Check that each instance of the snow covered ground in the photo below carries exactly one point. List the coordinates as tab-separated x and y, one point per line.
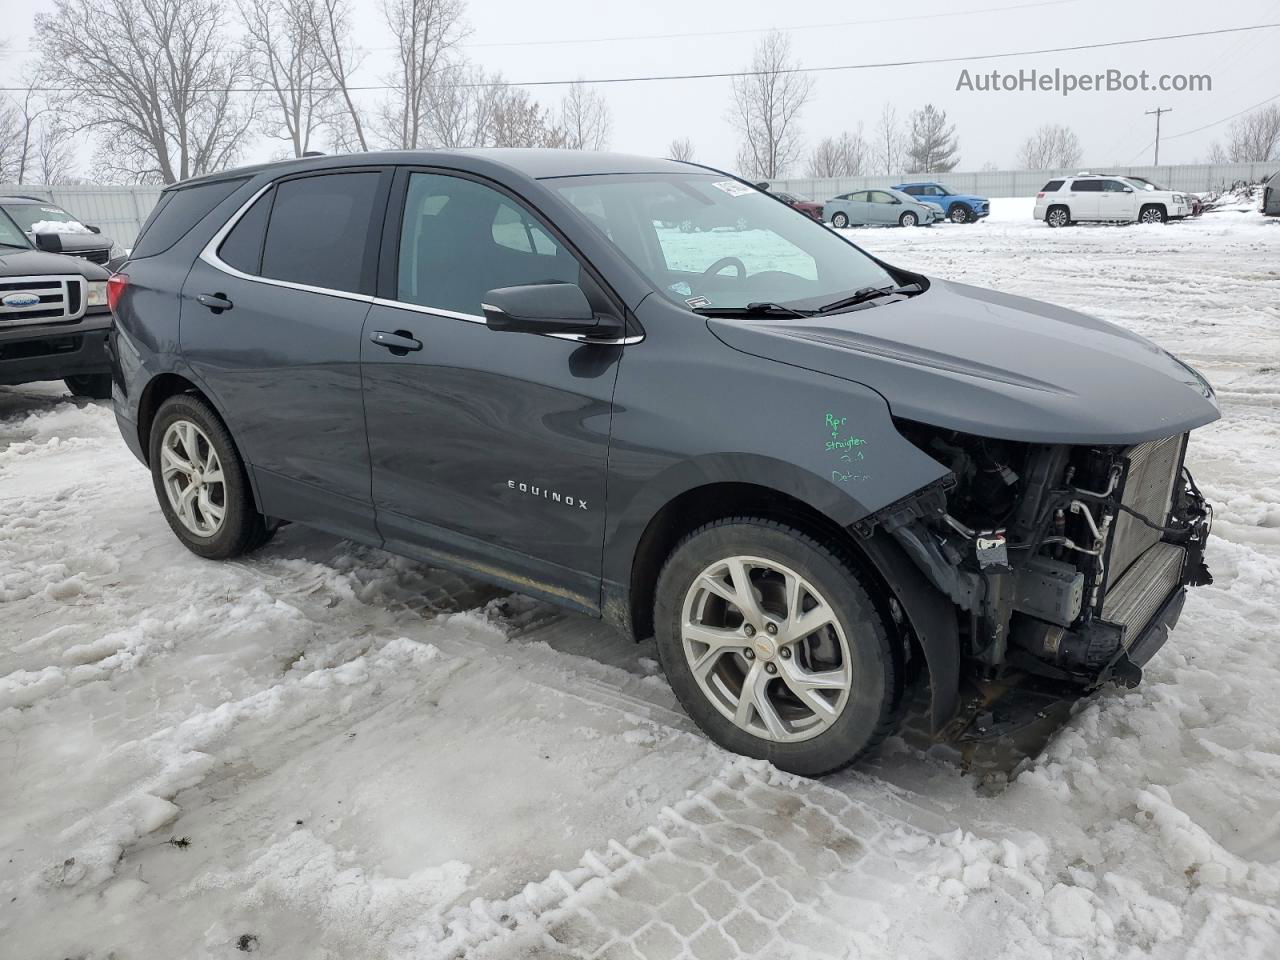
327	751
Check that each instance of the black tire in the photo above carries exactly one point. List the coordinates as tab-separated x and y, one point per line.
96	386
958	213
1057	216
243	528
1152	213
840	219
908	219
871	711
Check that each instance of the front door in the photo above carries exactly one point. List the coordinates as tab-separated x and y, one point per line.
489	450
1117	202
883	208
272	315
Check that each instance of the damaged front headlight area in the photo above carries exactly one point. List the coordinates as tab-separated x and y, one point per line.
1067	561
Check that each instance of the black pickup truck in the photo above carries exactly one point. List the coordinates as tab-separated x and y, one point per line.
54	317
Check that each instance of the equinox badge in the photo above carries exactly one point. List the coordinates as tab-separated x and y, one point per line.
534	490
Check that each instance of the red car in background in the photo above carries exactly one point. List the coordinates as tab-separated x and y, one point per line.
791	200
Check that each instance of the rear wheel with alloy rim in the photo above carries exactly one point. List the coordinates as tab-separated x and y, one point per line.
908	219
772	644
1057	217
201	482
840	220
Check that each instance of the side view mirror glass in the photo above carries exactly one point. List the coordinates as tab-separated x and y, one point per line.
546	308
93	229
49	242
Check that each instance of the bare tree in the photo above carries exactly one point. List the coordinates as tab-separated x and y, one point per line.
53	159
12	156
1253	138
680	149
518	120
932	145
888	143
460	105
285	60
585	118
156	80
331	31
1052	145
842	156
425	31
766	107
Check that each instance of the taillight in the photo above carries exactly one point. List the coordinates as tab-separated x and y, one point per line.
1040	196
116	285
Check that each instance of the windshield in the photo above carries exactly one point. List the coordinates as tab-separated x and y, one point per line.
706	241
44	218
10	235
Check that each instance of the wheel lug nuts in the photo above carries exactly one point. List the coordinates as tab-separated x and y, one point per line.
749	654
749	630
784	653
770	668
771	628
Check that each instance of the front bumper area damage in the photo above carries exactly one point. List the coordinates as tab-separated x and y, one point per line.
1067	566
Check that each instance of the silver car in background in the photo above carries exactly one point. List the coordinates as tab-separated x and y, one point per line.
881	207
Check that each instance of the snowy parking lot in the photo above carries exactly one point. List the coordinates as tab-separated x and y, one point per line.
325	751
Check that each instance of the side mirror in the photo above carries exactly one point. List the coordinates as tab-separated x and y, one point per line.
93	229
49	242
546	308
1128	189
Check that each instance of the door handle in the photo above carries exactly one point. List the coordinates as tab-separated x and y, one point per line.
216	302
399	343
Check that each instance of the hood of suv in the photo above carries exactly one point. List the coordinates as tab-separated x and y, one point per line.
37	263
995	365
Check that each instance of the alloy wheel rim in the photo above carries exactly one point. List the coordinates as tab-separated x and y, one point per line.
1057	218
958	215
193	478
908	220
766	649
1150	216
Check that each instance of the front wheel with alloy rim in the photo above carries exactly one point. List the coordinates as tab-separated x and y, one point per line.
908	219
1152	215
772	644
201	482
959	213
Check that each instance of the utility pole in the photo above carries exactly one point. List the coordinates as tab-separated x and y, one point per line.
1157	111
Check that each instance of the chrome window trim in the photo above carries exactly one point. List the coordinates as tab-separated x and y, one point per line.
65	279
210	256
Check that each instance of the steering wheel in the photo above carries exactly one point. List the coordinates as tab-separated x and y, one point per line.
726	262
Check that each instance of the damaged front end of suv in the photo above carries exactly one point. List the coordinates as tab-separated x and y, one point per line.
1068	561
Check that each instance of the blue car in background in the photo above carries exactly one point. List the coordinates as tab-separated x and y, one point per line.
958	207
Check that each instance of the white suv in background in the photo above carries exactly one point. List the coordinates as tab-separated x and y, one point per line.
1091	196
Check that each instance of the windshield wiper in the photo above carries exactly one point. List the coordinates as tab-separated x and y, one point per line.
867	294
759	308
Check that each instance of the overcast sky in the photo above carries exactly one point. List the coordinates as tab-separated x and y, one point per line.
558	39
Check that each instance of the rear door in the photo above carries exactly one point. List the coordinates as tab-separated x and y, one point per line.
272	314
489	450
856	206
1084	199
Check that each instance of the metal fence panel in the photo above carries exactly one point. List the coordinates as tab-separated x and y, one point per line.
118	211
1193	178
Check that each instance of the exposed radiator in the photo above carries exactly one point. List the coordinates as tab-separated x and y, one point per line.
1136	596
1148	489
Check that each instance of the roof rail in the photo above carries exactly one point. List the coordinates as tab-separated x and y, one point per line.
26	196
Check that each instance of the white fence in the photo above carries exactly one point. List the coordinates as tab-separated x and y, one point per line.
118	211
1194	178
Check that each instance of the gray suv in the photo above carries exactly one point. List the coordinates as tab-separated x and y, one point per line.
817	479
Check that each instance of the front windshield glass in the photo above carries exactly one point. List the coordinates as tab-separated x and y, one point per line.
706	241
10	235
44	218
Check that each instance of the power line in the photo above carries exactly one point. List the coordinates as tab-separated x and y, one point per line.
1187	133
649	78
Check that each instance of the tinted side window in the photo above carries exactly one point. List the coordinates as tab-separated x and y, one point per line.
319	230
460	239
879	196
177	212
1051	186
1087	186
1113	186
242	248
915	191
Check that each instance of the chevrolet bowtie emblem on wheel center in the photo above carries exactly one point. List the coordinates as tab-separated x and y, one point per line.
534	490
